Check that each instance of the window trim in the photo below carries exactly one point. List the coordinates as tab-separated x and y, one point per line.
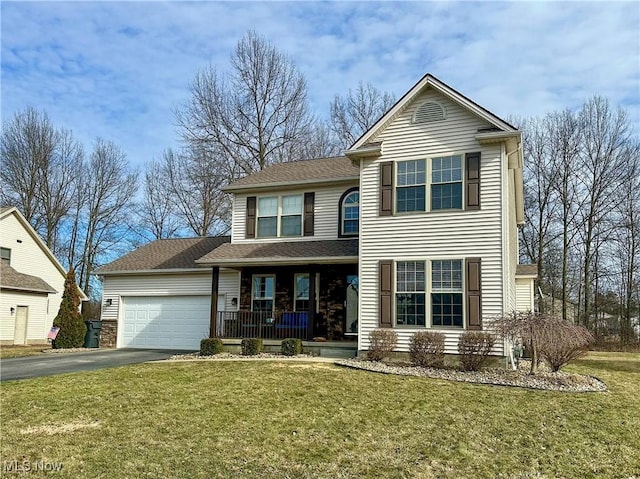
341	233
428	184
279	216
428	291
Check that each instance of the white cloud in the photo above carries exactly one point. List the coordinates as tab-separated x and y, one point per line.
117	70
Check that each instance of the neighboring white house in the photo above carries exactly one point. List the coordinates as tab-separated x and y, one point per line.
415	229
31	282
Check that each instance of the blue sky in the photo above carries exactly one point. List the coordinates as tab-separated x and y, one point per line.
117	70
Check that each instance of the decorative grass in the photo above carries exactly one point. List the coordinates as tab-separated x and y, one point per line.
316	420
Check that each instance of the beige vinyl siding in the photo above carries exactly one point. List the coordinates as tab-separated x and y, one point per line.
326	204
28	257
524	294
183	284
38	325
432	235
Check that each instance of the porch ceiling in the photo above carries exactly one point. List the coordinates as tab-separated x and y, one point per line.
291	252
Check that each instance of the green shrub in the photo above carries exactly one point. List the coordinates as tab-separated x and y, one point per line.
382	343
426	349
69	319
211	346
474	348
291	347
251	346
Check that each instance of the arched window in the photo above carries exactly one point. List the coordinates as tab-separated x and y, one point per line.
350	212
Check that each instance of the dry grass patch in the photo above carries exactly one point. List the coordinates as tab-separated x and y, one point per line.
268	420
20	351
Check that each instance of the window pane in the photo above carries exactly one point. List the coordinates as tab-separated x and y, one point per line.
263	287
262	305
446	309
352	198
410	309
292	205
350	226
302	286
446	275
411	198
446	196
411	172
268	206
291	225
267	227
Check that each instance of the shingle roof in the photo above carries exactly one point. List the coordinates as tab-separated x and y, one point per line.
303	171
12	279
165	254
282	252
527	270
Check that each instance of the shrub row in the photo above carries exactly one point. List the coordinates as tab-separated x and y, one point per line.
426	348
250	346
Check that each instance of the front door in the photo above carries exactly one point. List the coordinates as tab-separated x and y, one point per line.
20	332
352	305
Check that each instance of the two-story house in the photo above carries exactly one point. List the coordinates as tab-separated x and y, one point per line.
414	229
31	282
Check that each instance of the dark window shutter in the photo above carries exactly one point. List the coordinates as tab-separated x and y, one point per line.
473	180
251	217
309	199
386	188
386	288
474	295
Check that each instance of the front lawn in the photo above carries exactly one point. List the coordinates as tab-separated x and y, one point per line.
20	351
292	419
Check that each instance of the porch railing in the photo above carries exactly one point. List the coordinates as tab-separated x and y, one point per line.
265	325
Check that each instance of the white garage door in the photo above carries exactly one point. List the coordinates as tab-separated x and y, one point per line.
169	322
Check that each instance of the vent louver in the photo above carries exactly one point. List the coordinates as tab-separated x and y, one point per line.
428	112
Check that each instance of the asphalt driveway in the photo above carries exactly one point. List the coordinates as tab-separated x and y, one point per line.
57	363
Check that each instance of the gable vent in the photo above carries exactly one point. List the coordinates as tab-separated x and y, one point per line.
428	112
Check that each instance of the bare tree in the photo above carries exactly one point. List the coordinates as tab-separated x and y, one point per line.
604	154
39	171
250	117
110	187
194	182
157	211
358	111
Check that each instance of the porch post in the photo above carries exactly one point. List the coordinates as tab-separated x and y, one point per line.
312	302
213	319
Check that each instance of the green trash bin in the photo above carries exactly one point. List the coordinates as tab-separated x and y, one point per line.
92	338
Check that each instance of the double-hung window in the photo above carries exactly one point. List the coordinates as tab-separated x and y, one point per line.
262	292
410	293
446	183
438	180
267	216
301	292
291	219
279	216
446	293
411	188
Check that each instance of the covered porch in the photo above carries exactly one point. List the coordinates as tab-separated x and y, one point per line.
305	289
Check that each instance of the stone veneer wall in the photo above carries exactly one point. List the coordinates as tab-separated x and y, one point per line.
108	334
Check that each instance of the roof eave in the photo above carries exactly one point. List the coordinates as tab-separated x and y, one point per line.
29	290
366	151
289	184
279	260
150	271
